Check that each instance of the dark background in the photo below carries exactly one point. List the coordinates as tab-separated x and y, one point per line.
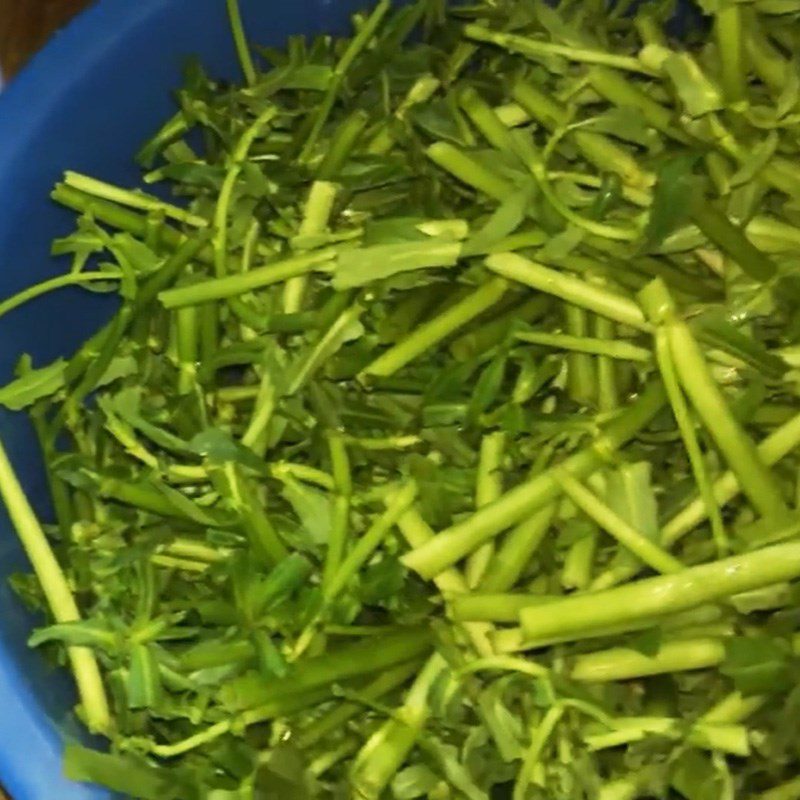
26	24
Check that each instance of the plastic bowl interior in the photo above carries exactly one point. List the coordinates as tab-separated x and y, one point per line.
86	102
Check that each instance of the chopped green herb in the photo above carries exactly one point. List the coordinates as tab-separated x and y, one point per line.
445	440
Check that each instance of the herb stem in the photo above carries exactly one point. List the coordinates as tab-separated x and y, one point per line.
440	327
239	283
340	466
608	393
341	144
417	532
729	34
255	521
384	752
733	708
539	737
371	539
597	148
731	239
613	349
188	350
458	541
581	372
131	198
470	171
536	49
620	91
206	736
771	450
680	411
39	289
488	607
240	41
112	214
317	212
515	553
624	663
489	486
569	288
372	654
337	718
60	599
255	435
325	348
236	164
483	338
638	544
484	118
767	61
713	409
665	594
355	46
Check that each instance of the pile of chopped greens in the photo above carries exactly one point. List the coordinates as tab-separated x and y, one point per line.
444	443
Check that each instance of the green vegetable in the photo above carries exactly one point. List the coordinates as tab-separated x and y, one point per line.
666	594
444	442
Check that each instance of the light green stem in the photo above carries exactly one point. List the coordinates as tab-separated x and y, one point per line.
430	333
469	171
37	290
340	462
616	88
484	118
608	393
132	198
337	717
254	436
623	663
581	371
598	149
486	607
680	410
730	46
579	562
569	288
665	594
233	285
771	450
385	751
450	582
536	49
733	708
371	539
758	483
489	334
59	596
489	486
317	212
450	546
324	349
616	349
539	736
642	547
516	551
242	50
237	161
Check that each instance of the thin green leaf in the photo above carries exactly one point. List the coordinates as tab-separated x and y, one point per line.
33	385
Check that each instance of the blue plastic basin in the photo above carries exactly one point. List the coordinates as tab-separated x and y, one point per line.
86	102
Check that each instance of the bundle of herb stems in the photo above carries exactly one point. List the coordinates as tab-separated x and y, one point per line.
444	441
